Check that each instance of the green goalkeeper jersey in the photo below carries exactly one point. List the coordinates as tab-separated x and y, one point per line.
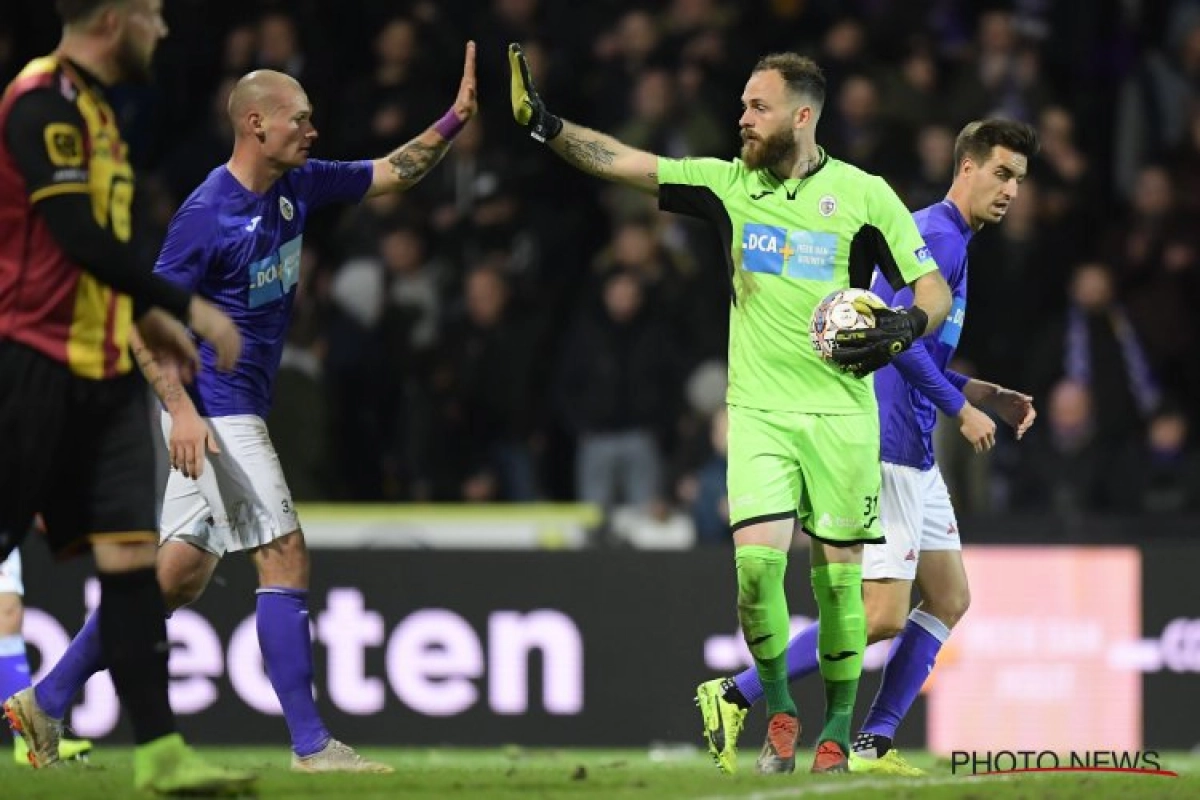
788	244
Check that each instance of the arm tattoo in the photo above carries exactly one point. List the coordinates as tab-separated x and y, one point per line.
589	155
168	391
410	162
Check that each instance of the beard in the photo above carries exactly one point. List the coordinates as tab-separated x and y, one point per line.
760	153
134	65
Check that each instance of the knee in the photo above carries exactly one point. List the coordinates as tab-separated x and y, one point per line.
950	608
284	562
884	625
179	592
11	613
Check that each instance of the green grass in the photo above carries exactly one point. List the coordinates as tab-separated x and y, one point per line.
569	774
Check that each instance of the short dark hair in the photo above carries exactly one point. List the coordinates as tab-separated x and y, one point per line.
801	74
976	140
72	11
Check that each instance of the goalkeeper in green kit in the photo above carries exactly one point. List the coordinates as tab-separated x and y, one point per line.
803	438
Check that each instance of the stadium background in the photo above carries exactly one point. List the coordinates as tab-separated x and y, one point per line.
473	341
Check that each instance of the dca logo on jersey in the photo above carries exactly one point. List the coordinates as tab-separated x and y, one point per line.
952	327
772	250
271	278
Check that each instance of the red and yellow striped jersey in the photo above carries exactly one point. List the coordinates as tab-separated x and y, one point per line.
48	302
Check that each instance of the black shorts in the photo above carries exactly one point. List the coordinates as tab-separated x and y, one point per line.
79	451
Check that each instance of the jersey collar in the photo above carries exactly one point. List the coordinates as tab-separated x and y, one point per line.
957	218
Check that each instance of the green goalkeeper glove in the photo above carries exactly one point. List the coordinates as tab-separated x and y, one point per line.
527	106
861	352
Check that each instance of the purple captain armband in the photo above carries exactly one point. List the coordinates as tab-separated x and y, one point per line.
449	125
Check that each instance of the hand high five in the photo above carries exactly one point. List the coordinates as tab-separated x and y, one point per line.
467	104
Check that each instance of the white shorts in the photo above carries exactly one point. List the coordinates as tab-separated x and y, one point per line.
916	515
241	500
10	574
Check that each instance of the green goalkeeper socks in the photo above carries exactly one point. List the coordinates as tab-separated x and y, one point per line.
841	640
763	613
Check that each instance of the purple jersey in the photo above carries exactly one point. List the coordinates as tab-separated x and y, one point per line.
917	383
241	251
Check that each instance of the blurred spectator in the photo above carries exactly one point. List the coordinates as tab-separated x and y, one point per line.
622	53
857	132
487	399
616	391
1096	346
1069	185
913	96
206	146
280	47
1064	467
1158	252
1162	471
390	105
934	167
1153	106
703	492
658	124
1183	164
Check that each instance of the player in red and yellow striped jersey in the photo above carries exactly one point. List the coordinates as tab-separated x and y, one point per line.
73	412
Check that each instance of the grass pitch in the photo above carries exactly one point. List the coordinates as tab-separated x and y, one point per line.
496	774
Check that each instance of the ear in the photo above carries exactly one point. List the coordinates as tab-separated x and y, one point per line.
802	116
255	120
111	21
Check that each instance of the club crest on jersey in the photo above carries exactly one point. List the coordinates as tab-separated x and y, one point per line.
827	205
285	208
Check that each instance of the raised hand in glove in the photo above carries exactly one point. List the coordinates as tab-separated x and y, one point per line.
527	105
861	352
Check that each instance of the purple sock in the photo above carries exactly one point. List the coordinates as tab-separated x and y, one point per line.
908	665
801	661
57	691
14	666
286	644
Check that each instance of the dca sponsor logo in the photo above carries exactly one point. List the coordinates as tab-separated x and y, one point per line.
271	278
772	250
434	661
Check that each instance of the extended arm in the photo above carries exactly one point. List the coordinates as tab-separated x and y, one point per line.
405	166
590	151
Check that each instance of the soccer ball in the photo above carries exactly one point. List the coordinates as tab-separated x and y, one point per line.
837	313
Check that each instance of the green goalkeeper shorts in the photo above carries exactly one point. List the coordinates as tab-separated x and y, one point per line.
822	469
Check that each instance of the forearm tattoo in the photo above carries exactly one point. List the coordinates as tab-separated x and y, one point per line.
168	390
589	155
412	161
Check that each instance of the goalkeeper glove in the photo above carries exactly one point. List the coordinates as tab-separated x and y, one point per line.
861	352
527	106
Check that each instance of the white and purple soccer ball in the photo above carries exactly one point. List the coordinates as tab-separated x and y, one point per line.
837	313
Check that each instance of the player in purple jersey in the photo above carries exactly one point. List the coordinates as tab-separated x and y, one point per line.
991	158
236	241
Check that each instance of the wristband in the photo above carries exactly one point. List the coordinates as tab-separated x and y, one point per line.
449	125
